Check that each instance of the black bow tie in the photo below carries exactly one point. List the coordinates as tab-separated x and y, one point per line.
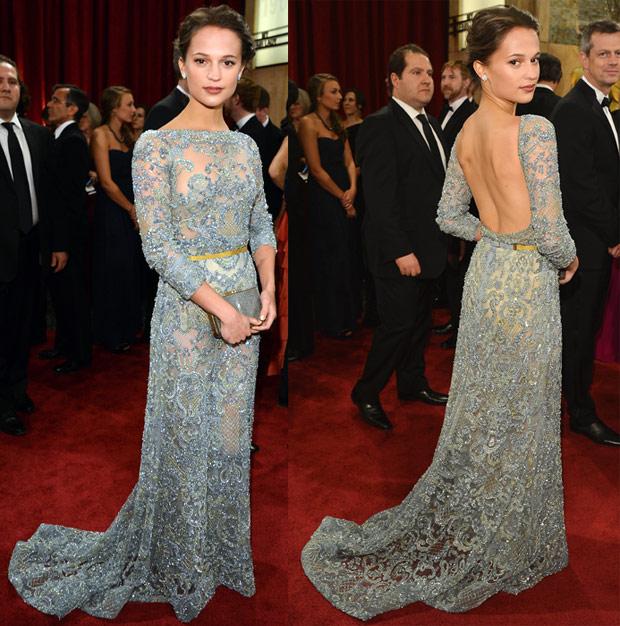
605	102
450	108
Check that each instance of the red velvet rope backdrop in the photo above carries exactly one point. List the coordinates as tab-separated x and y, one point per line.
353	39
94	44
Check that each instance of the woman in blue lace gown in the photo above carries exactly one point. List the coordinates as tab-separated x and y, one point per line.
487	515
185	528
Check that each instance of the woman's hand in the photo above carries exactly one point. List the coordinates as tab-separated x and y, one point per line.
236	327
351	212
569	272
267	312
134	217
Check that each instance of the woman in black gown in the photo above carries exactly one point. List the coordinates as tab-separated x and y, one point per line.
331	195
116	262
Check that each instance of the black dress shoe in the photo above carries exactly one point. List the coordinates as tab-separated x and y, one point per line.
425	395
372	413
69	366
444	329
12	425
24	404
254	448
449	343
52	353
598	432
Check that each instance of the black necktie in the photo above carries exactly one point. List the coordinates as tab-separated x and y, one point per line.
430	138
20	180
605	102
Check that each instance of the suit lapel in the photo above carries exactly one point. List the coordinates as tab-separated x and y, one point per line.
403	118
597	109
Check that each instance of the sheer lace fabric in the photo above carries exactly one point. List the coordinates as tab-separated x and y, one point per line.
185	528
487	515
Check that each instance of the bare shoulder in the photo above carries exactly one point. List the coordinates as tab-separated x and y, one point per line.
101	137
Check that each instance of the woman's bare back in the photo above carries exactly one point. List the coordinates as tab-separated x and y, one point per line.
489	156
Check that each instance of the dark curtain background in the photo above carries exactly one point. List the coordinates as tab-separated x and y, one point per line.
353	39
94	44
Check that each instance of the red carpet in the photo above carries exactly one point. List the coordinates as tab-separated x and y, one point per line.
342	467
79	461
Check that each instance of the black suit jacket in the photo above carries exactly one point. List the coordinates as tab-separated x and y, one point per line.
402	187
268	144
71	163
543	103
166	110
455	123
589	175
52	230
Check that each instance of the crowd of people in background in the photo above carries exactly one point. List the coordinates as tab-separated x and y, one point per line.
81	190
335	246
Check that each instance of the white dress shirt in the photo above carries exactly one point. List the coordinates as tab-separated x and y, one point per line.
243	121
413	114
60	128
182	90
455	105
599	96
23	144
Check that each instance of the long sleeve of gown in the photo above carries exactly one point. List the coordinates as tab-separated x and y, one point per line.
539	158
150	170
261	226
453	216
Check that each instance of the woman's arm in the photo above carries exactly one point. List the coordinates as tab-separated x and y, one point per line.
277	168
309	142
349	194
99	148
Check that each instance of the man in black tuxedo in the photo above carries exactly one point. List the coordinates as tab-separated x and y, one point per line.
170	106
29	231
402	160
589	161
273	141
455	84
69	289
545	99
242	110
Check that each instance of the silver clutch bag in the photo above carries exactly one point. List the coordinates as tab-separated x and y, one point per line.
247	302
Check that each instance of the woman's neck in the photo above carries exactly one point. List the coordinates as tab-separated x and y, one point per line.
323	111
496	107
354	118
197	116
115	124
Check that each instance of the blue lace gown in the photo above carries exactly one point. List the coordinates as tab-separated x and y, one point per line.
487	515
185	528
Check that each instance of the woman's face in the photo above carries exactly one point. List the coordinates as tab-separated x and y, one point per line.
138	119
349	103
296	110
512	70
212	65
331	96
125	109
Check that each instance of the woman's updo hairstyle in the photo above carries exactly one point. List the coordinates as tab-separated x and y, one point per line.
221	16
490	26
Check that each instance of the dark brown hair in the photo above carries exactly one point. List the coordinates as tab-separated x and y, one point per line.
602	26
316	84
221	16
110	99
490	26
396	62
249	94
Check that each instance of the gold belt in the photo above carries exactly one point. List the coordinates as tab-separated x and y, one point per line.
523	246
219	255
